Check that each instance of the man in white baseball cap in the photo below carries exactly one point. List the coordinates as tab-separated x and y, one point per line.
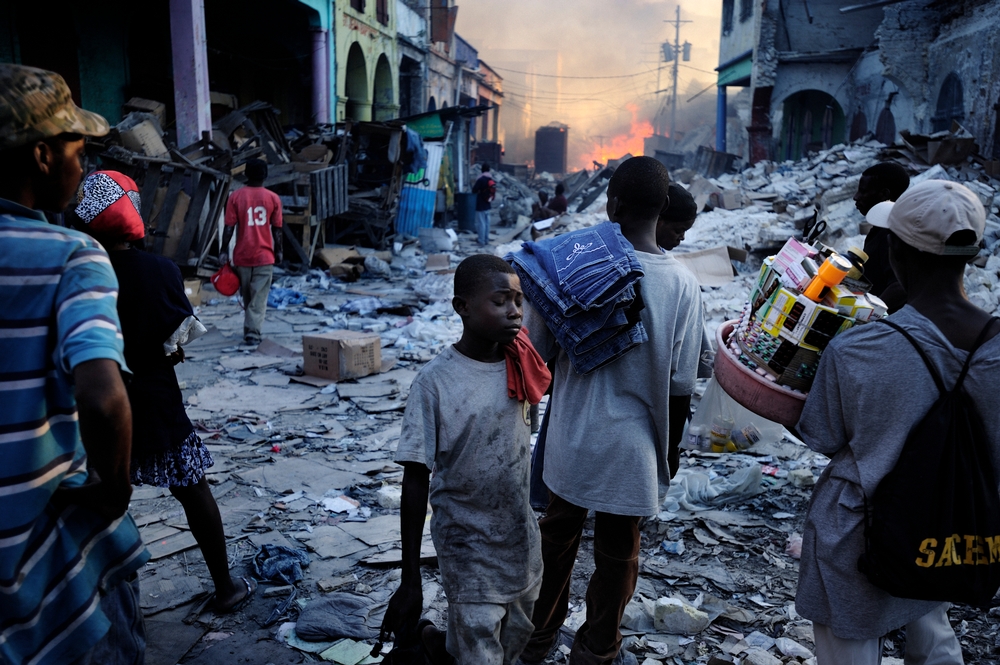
939	217
870	391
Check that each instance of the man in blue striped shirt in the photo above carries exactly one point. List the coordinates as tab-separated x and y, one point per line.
69	551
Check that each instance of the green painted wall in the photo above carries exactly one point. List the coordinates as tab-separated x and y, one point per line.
88	46
103	62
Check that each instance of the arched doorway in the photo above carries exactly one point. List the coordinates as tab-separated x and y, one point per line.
432	104
812	121
359	104
382	93
950	103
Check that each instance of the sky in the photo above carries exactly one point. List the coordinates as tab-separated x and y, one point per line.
620	39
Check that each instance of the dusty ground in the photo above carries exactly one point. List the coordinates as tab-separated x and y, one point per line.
282	448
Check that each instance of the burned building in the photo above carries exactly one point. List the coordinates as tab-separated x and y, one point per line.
827	71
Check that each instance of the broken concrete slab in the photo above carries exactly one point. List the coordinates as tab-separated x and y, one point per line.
376	531
263	400
288	474
248	361
171	545
374	389
165	591
330	542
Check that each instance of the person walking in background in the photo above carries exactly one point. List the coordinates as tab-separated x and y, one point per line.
156	318
676	219
558	204
69	551
883	182
485	190
254	214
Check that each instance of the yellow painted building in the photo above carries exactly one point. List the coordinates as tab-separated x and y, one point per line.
367	61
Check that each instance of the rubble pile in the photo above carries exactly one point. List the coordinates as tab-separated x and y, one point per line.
306	464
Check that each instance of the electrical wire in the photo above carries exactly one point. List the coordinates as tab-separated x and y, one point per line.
557	76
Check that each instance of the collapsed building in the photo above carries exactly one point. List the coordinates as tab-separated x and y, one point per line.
822	72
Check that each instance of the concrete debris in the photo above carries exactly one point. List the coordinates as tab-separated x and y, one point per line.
305	463
677	617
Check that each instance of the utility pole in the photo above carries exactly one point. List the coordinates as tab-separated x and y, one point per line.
677	56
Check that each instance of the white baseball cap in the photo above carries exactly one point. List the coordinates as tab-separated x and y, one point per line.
878	215
927	215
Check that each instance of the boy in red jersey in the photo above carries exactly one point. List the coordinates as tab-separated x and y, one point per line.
254	214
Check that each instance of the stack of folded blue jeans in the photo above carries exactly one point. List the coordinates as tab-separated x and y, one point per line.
586	286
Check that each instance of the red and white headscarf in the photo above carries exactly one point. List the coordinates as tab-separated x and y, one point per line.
110	206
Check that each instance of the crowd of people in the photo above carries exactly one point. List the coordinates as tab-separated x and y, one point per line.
91	327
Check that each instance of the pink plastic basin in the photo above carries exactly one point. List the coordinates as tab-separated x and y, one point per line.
765	398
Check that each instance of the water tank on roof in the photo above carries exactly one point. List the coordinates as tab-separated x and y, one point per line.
551	148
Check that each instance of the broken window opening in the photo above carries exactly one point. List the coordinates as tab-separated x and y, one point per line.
727	16
950	104
382	11
358	5
746	10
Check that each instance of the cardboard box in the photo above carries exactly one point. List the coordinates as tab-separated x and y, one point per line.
157	109
438	262
192	289
335	255
144	139
341	354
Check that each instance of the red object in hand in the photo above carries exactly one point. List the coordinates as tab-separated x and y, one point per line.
226	281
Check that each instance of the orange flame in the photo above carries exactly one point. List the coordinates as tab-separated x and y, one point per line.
618	146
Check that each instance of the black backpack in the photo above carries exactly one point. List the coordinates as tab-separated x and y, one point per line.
932	528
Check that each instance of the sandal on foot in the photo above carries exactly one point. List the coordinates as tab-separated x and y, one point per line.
242	602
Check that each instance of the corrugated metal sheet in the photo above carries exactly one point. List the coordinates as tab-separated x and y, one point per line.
416	210
419	195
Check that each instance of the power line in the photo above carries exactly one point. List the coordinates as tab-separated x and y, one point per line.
556	76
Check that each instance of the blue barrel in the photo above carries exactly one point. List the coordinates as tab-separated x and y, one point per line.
465	211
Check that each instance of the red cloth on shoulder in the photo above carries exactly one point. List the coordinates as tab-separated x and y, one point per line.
527	376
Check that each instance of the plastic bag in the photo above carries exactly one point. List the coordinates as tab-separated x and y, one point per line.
693	490
746	423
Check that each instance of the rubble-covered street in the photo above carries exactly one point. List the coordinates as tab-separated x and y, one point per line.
306	464
269	201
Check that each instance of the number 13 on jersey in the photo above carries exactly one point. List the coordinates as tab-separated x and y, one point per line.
257	216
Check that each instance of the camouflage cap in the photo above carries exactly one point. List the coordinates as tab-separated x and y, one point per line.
36	104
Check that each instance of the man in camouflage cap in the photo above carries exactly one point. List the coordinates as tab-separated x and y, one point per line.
36	104
69	551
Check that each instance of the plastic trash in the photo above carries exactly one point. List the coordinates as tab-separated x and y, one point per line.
793	547
693	490
280	298
377	267
364	306
673	547
747	429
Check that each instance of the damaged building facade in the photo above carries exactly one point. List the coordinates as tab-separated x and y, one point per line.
822	72
316	61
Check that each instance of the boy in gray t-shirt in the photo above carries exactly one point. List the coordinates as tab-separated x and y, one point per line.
467	421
